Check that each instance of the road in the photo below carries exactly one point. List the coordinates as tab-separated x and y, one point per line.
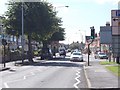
46	74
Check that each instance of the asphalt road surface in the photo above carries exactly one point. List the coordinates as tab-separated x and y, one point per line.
46	74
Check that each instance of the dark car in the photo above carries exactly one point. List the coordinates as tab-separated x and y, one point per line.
62	52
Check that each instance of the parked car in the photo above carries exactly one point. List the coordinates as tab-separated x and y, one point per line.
76	56
101	55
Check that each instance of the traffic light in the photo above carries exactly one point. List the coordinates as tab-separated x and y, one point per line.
92	33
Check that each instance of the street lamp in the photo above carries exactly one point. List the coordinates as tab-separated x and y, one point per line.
22	37
22	41
60	7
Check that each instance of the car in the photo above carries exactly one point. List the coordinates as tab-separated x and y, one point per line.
101	55
68	53
62	52
76	56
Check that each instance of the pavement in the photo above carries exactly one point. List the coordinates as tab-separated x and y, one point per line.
97	75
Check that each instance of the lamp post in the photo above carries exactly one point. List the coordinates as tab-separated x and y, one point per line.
55	9
4	43
22	36
22	39
81	35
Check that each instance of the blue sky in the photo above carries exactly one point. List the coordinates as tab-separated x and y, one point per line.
79	16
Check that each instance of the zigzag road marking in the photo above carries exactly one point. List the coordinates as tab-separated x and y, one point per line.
77	78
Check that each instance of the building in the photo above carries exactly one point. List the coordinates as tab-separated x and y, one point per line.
105	37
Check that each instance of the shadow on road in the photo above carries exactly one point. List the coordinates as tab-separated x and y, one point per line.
54	62
62	64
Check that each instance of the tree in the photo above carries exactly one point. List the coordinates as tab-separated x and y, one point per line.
58	36
40	21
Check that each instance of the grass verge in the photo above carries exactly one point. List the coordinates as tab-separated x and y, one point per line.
107	63
113	67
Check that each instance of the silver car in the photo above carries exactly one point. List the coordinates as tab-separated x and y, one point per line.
76	56
101	55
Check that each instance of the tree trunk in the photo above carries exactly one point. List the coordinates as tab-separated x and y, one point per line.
117	60
45	50
30	55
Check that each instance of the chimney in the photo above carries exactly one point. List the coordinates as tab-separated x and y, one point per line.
107	23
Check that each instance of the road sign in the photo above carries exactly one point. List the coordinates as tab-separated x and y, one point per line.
117	13
115	20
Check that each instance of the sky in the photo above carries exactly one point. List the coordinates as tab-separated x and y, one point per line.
79	16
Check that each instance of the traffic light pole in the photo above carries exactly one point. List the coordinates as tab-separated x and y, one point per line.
89	52
92	38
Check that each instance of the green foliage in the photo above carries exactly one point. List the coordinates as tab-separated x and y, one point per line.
40	19
114	69
76	45
58	35
107	63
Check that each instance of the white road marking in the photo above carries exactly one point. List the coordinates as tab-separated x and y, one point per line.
6	85
77	78
32	73
24	77
88	81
